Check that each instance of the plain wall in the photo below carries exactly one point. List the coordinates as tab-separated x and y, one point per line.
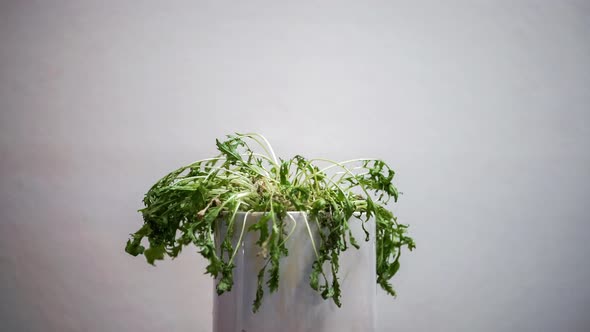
482	108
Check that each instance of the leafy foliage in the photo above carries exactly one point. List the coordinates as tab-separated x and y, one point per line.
186	207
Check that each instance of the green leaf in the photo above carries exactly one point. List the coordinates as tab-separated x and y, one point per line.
223	286
262	226
314	277
229	149
385	285
154	253
284	174
212	214
393	268
353	240
134	247
227	280
273	280
259	289
214	268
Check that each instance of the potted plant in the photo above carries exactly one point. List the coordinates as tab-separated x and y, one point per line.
218	203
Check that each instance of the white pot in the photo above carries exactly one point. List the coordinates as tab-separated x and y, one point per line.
295	306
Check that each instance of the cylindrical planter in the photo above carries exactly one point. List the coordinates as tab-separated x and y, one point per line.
295	306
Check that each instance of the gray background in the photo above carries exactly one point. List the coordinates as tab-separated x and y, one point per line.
482	107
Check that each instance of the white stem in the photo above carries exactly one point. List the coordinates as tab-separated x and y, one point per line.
258	155
207	159
240	175
274	157
292	229
341	165
317	256
233	216
335	164
269	150
239	243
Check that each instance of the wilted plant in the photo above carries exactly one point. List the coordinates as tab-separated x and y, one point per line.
187	205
